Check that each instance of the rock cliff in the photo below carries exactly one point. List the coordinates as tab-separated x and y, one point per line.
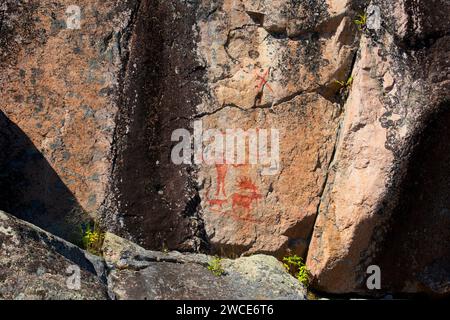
111	111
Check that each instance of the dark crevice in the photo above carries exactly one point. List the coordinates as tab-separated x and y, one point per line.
153	201
124	42
229	105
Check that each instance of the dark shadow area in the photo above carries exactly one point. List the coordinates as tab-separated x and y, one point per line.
31	190
434	23
416	251
156	202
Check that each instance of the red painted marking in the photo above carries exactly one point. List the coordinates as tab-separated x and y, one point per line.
244	201
249	193
215	202
264	82
245	183
241	202
222	170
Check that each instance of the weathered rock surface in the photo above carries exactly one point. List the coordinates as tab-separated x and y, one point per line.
136	273
98	105
36	265
386	199
272	66
57	86
151	200
225	64
87	117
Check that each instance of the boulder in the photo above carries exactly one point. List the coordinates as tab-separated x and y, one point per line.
139	274
36	265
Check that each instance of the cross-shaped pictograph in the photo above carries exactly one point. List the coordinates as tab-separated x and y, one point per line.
263	80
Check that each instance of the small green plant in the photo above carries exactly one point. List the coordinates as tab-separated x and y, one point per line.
215	266
295	266
164	248
311	296
345	86
361	21
93	238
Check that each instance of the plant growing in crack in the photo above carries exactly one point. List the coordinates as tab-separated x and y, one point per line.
345	86
295	266
92	238
165	248
215	266
361	21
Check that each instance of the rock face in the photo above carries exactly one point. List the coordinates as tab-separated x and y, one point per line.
35	264
117	118
119	86
384	203
272	66
58	87
136	273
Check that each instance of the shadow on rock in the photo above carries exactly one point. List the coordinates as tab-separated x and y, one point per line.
30	188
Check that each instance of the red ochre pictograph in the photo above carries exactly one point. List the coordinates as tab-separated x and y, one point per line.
263	80
222	170
248	193
242	201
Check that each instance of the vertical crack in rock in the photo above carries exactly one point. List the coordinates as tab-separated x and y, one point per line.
153	201
327	184
124	54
